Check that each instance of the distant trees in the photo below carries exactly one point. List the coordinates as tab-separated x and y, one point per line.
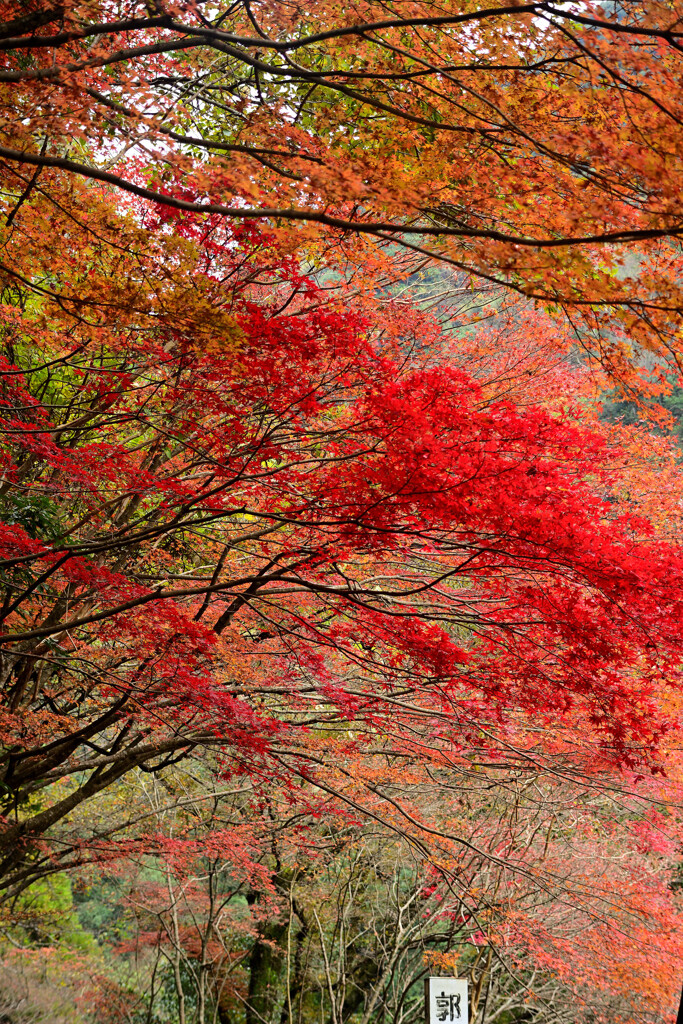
556	911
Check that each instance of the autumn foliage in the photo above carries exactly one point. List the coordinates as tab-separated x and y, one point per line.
296	521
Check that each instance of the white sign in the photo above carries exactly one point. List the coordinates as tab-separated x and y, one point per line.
446	1000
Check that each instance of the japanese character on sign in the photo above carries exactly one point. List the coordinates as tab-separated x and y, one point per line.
448	1006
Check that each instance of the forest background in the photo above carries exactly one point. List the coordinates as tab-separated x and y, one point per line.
341	501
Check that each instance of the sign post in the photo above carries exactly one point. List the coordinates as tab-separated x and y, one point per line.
446	1001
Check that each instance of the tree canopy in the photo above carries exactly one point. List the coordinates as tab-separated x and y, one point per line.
341	628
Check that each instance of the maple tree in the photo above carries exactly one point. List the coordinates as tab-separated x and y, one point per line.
345	504
339	542
253	509
533	144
